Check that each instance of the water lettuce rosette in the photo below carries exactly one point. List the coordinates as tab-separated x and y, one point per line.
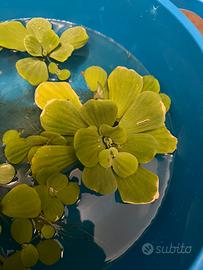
113	134
42	44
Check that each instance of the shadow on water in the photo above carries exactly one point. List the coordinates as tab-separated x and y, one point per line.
77	239
80	250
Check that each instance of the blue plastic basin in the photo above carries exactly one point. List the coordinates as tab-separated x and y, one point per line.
171	49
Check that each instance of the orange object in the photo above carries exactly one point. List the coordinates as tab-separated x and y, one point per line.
194	18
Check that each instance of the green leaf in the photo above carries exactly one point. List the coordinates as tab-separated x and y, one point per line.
98	112
32	152
12	35
52	208
36	140
53	68
29	255
62	52
48	231
139	188
16	150
124	86
22	230
125	164
50	251
10	135
7	173
33	70
47	91
32	45
167	143
53	157
99	179
117	133
54	138
61	116
43	174
56	182
146	113
63	74
14	262
166	101
88	143
49	41
21	202
70	194
106	156
150	83
37	27
142	145
95	77
75	36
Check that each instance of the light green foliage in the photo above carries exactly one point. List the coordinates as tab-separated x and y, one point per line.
40	41
136	133
37	27
75	36
53	68
21	202
95	77
145	114
70	194
14	262
33	70
117	133
111	135
10	135
50	251
167	143
55	193
47	91
22	150
22	230
12	35
98	112
65	110
52	208
63	74
124	86
32	45
111	138
48	231
144	146
99	179
105	157
29	255
125	164
62	52
166	101
141	187
53	156
150	83
88	143
7	173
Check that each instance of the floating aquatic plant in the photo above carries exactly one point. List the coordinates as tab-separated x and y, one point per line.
34	207
40	41
112	135
121	128
33	211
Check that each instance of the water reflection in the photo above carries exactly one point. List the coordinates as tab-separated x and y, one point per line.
118	225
